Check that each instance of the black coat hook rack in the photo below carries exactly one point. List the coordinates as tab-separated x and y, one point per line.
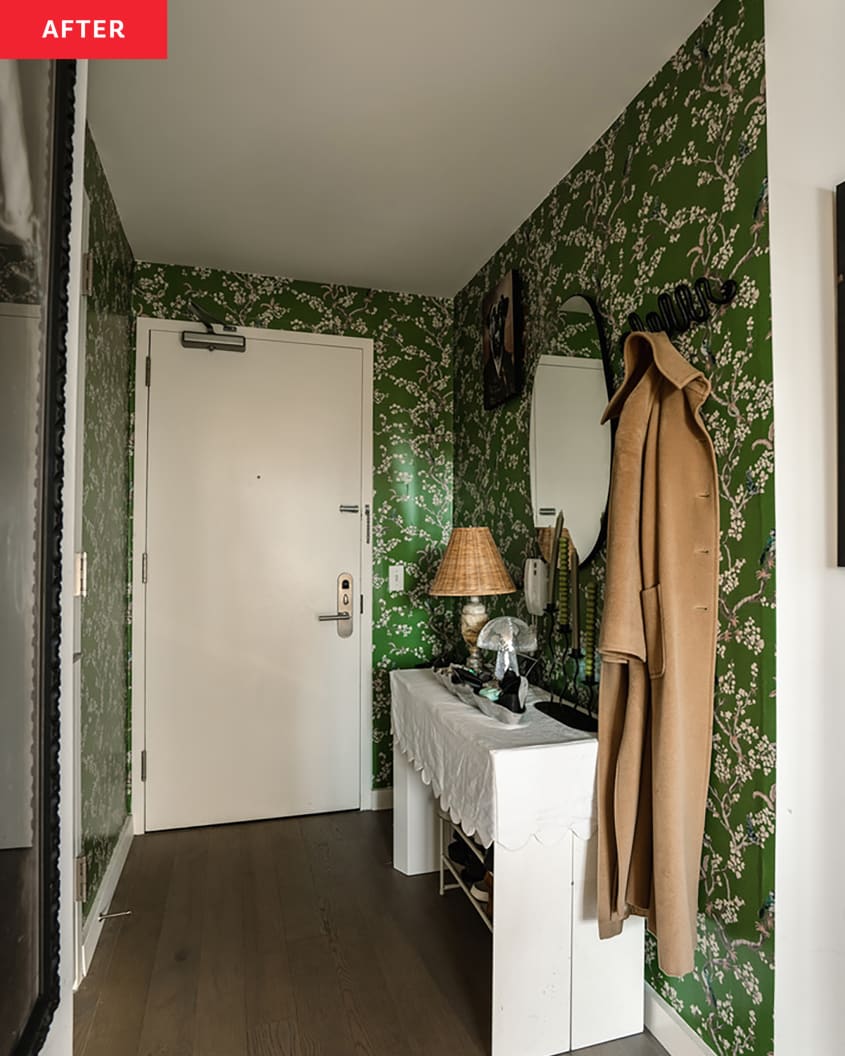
682	309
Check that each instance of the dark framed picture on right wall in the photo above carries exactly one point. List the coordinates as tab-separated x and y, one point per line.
840	375
501	348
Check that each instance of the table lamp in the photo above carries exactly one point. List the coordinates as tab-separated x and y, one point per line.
471	567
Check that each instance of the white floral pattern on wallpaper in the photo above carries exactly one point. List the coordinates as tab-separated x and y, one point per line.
675	189
18	277
412	430
105	517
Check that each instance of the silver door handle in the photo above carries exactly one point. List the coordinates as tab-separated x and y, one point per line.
334	616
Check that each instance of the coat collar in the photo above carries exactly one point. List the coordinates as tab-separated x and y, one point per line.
643	349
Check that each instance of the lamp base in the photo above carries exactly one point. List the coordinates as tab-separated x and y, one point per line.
473	617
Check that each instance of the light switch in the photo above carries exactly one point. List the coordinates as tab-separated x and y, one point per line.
396	579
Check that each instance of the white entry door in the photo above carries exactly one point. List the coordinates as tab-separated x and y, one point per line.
253	705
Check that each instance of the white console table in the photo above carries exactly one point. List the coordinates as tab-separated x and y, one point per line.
530	790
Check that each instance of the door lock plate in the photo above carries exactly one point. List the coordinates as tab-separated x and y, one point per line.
344	604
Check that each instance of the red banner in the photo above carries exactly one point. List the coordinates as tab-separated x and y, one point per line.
83	29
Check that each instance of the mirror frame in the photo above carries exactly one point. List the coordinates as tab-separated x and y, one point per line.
840	377
54	302
604	346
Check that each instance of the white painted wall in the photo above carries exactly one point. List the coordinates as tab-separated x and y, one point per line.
60	1040
804	47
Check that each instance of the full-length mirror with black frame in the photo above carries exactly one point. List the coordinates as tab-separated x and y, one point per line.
36	126
570	450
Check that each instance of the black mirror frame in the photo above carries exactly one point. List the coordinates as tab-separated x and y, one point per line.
840	373
607	366
35	1031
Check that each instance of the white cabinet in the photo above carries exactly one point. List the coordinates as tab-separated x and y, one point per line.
556	986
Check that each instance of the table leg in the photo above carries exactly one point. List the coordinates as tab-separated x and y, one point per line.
602	966
415	821
532	918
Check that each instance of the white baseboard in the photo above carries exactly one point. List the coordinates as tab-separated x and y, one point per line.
93	927
673	1033
381	799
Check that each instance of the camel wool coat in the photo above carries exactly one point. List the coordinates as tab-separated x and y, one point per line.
658	649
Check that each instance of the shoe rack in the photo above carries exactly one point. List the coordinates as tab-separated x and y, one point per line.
445	824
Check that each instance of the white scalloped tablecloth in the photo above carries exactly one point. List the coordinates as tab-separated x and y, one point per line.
500	783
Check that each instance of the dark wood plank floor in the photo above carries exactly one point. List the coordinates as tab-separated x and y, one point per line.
288	938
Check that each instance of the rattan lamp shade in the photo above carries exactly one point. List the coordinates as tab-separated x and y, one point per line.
472	566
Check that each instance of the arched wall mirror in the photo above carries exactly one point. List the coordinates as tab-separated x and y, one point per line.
570	450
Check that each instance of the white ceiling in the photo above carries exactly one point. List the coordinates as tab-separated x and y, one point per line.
386	143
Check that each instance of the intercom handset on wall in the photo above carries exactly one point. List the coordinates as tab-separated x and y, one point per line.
536	585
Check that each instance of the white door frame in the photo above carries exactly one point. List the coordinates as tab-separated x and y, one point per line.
145	328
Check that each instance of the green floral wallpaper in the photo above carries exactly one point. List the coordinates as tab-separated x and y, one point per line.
412	423
105	515
19	283
676	188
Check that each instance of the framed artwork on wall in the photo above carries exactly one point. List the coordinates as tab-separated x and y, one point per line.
501	355
36	119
